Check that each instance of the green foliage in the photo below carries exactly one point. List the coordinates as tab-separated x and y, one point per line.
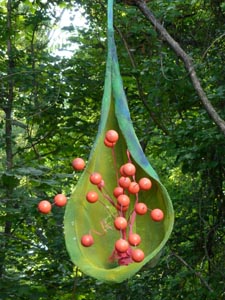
54	117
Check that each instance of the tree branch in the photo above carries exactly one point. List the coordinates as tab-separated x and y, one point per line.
139	85
192	270
141	4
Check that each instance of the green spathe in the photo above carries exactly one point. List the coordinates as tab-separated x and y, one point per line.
82	217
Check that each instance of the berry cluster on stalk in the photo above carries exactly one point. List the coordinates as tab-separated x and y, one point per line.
127	248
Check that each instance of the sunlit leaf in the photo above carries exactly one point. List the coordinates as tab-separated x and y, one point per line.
82	217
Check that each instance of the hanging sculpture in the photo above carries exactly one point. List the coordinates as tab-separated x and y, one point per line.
119	215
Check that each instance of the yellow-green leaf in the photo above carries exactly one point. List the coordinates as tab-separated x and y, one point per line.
82	218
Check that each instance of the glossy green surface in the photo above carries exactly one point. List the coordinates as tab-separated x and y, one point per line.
82	217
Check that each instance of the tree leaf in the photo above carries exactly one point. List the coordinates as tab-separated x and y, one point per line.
82	217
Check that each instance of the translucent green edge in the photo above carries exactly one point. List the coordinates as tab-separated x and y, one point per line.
75	213
80	258
86	263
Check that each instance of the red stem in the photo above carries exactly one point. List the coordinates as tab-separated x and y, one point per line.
133	216
115	164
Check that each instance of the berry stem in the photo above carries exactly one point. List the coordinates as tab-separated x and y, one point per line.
115	164
108	198
128	156
133	216
104	227
107	208
123	234
132	220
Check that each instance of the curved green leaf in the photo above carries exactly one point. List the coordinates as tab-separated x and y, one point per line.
82	217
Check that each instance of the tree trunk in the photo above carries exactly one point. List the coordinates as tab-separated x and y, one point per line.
8	130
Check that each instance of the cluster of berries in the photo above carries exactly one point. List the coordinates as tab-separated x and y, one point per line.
125	249
45	206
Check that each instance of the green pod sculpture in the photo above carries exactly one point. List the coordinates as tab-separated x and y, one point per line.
81	217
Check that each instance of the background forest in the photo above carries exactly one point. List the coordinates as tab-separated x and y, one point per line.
49	114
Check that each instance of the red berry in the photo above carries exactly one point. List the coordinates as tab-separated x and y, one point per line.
134	187
121	171
87	240
137	255
118	191
60	200
108	144
145	184
129	169
124	182
141	208
92	196
120	223
112	136
123	200
78	164
121	245
157	215
96	178
44	207
134	239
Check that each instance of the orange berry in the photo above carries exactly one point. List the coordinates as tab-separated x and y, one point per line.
134	239
92	196
118	191
121	245
112	136
60	200
141	208
87	240
124	182
123	200
134	187
109	144
137	255
96	178
157	215
44	206
78	164
145	184
129	169
120	223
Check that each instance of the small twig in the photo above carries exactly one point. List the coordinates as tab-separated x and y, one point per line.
75	284
186	60
197	274
211	45
139	85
